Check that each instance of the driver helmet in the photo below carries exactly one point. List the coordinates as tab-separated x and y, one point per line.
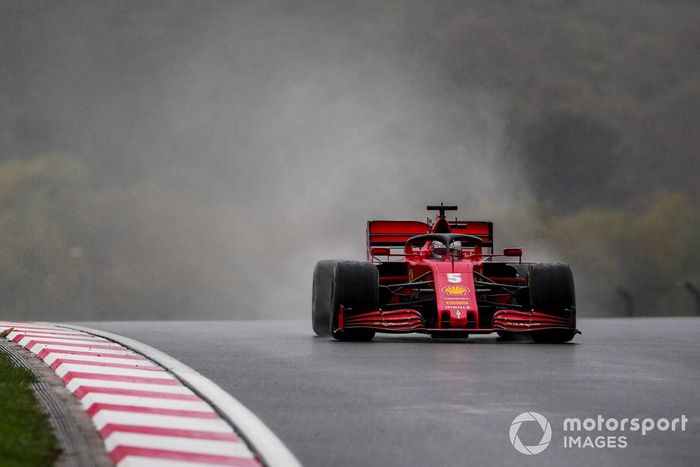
456	249
438	249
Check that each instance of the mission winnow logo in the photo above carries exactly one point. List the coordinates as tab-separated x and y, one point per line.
597	432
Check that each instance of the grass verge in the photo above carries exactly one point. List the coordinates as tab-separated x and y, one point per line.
26	437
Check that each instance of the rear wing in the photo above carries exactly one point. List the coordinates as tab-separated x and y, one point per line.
393	233
391	236
481	229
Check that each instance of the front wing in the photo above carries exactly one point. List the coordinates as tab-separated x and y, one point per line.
408	320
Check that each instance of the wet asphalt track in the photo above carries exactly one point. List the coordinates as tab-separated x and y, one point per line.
408	400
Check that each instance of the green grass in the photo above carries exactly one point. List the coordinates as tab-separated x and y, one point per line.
26	438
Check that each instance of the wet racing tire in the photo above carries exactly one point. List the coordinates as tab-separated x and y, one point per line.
353	284
551	287
553	336
506	335
356	287
322	295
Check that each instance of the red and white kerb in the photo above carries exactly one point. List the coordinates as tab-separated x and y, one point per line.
145	415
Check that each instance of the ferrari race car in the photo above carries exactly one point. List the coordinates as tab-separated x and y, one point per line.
442	278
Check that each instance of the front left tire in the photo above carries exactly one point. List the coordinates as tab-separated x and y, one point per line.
551	287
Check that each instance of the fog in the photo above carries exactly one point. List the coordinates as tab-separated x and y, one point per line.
253	139
297	122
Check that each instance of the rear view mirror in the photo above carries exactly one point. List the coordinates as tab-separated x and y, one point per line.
380	251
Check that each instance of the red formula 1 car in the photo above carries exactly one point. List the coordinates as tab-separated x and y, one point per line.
442	278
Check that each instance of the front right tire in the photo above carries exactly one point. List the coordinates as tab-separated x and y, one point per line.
553	336
353	284
322	297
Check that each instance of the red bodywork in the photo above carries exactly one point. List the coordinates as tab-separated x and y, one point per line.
471	290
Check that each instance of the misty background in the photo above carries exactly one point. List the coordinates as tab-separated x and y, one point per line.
193	160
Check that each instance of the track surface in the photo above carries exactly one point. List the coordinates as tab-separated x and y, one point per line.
409	400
